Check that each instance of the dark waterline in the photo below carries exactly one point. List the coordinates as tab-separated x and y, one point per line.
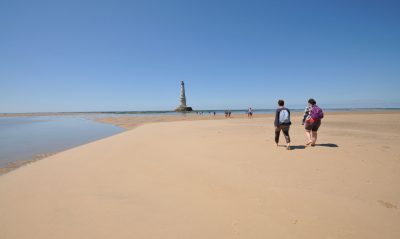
23	138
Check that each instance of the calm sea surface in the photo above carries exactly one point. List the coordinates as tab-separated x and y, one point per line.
22	138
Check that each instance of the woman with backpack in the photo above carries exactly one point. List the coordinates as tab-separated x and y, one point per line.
312	120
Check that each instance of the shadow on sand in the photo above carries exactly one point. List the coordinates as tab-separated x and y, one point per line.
327	145
293	147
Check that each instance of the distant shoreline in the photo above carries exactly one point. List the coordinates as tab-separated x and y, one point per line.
150	112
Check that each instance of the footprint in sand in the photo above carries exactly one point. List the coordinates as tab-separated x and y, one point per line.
234	225
387	204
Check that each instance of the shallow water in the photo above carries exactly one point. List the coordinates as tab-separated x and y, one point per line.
23	138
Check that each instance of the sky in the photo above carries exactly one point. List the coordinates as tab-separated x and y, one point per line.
60	56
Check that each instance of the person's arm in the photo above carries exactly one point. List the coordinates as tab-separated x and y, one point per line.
306	112
276	123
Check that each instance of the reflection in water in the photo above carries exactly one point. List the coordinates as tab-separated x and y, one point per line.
25	137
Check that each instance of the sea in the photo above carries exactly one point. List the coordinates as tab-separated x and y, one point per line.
26	138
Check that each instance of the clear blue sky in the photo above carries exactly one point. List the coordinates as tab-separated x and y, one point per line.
131	55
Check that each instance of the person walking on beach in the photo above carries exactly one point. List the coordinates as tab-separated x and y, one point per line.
312	121
282	123
250	113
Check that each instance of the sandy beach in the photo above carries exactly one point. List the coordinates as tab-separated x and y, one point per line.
215	178
131	122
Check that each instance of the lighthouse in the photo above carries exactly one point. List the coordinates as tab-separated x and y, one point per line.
183	107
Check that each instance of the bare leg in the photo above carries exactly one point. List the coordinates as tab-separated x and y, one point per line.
309	139
314	137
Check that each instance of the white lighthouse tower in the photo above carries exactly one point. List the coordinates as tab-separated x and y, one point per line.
183	107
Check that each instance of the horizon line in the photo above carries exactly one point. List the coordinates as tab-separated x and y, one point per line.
202	110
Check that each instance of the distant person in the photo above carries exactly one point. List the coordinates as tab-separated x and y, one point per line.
312	120
282	123
229	114
250	113
215	113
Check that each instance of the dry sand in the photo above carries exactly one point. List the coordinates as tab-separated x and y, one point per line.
214	179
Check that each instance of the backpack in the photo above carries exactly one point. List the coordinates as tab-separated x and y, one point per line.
284	117
316	113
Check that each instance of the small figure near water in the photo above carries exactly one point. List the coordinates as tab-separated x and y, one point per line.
250	113
282	123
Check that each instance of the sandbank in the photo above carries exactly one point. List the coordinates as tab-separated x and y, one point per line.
220	178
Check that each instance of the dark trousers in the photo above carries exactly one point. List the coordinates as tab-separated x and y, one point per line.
285	131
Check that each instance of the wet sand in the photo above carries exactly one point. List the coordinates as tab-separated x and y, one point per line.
131	122
19	163
220	178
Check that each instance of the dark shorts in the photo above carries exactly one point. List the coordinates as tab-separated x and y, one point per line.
313	126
